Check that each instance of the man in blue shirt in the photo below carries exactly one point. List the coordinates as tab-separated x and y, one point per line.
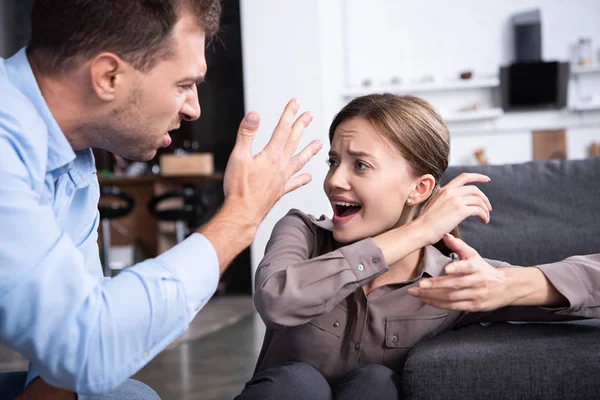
116	75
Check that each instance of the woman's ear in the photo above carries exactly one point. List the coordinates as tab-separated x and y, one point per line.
423	187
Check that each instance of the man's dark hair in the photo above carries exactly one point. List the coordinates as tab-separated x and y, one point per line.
66	32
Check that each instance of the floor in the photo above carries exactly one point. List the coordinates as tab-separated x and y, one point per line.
214	367
211	361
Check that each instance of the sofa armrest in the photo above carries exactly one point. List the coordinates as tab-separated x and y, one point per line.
507	361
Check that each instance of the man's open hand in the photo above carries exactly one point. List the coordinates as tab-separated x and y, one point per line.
256	183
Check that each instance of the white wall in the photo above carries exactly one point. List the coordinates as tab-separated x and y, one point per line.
315	49
282	59
441	37
411	39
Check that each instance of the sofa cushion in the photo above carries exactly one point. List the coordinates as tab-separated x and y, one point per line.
507	361
543	211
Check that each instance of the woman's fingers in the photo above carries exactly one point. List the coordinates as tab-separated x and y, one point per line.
452	282
467	177
466	305
446	295
471	190
474	202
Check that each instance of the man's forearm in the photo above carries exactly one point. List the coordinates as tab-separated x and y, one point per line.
530	287
230	232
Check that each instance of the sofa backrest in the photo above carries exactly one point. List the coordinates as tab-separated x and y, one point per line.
543	211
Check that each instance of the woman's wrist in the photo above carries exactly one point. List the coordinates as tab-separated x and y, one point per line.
398	243
419	231
529	287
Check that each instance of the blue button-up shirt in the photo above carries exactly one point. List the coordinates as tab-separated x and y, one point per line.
80	331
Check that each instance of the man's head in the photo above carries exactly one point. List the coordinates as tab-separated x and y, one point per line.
126	69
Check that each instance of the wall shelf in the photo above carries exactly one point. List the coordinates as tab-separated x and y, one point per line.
476	115
585	70
586	107
417	88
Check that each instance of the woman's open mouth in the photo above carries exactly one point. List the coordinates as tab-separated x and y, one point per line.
344	211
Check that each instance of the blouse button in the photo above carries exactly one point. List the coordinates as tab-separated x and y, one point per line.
394	338
336	324
360	267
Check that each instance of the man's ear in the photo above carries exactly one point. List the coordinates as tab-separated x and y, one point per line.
423	187
108	74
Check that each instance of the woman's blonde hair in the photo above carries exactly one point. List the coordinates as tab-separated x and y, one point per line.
412	126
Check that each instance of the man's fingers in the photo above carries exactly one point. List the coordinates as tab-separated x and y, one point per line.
297	163
282	130
299	160
246	133
465	178
296	182
458	246
297	129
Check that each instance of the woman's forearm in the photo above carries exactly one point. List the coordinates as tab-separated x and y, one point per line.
530	287
398	243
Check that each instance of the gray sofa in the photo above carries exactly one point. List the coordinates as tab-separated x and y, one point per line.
542	212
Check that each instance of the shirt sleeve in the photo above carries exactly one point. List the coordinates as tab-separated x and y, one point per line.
576	278
292	287
81	332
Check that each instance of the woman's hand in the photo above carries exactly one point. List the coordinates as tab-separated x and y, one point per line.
471	284
454	203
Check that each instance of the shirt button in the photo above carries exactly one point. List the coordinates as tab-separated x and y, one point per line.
394	338
146	354
360	267
375	260
357	346
336	324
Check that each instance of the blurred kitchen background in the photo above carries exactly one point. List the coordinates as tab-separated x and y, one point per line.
516	80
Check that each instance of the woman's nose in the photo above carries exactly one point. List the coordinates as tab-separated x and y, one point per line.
338	179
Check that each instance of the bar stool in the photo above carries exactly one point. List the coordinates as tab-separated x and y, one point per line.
116	209
187	217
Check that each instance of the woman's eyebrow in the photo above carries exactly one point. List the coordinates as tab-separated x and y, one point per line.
354	153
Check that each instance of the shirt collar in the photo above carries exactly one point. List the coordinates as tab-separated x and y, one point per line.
18	70
432	262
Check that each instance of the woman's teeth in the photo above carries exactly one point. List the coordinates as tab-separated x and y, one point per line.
341	203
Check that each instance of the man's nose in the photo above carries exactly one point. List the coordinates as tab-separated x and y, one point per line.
190	111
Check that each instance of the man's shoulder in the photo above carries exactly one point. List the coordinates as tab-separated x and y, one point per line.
20	123
14	105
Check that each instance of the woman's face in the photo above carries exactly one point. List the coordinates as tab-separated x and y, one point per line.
368	182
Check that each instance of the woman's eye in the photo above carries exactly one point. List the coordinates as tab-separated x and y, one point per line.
331	163
361	166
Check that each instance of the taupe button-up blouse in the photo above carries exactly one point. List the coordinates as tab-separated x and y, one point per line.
309	294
